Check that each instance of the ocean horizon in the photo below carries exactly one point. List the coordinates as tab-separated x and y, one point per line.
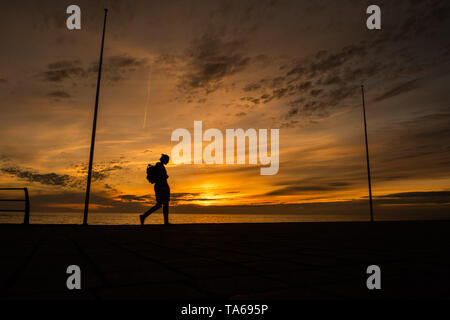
114	218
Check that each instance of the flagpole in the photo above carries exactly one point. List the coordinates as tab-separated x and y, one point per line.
367	155
94	127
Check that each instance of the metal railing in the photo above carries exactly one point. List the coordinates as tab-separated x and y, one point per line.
26	210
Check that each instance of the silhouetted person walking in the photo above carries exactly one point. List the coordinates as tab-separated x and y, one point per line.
162	190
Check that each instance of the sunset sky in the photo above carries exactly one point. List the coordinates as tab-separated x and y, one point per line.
296	66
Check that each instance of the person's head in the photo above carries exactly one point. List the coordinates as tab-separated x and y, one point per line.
164	158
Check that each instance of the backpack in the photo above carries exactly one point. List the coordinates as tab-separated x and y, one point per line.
151	173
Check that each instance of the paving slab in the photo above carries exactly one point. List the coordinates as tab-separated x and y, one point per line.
226	261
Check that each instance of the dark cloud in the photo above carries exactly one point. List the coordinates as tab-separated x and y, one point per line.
339	184
124	61
422	18
277	94
309	185
102	173
239	169
109	187
338	95
186	197
316	92
101	170
165	59
118	67
167	64
304	86
115	68
331	80
325	62
332	77
58	94
336	76
211	59
404	87
242	17
134	198
311	109
358	74
293	112
428	127
53	179
435	197
252	87
298	189
297	70
425	139
328	61
250	99
65	69
262	60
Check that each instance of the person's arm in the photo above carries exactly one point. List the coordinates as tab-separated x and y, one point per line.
165	173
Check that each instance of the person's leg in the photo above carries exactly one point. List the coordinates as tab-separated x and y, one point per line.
166	212
150	211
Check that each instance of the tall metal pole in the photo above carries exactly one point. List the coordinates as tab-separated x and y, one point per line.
94	126
367	155
26	218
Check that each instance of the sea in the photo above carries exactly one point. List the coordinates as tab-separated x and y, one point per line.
96	218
